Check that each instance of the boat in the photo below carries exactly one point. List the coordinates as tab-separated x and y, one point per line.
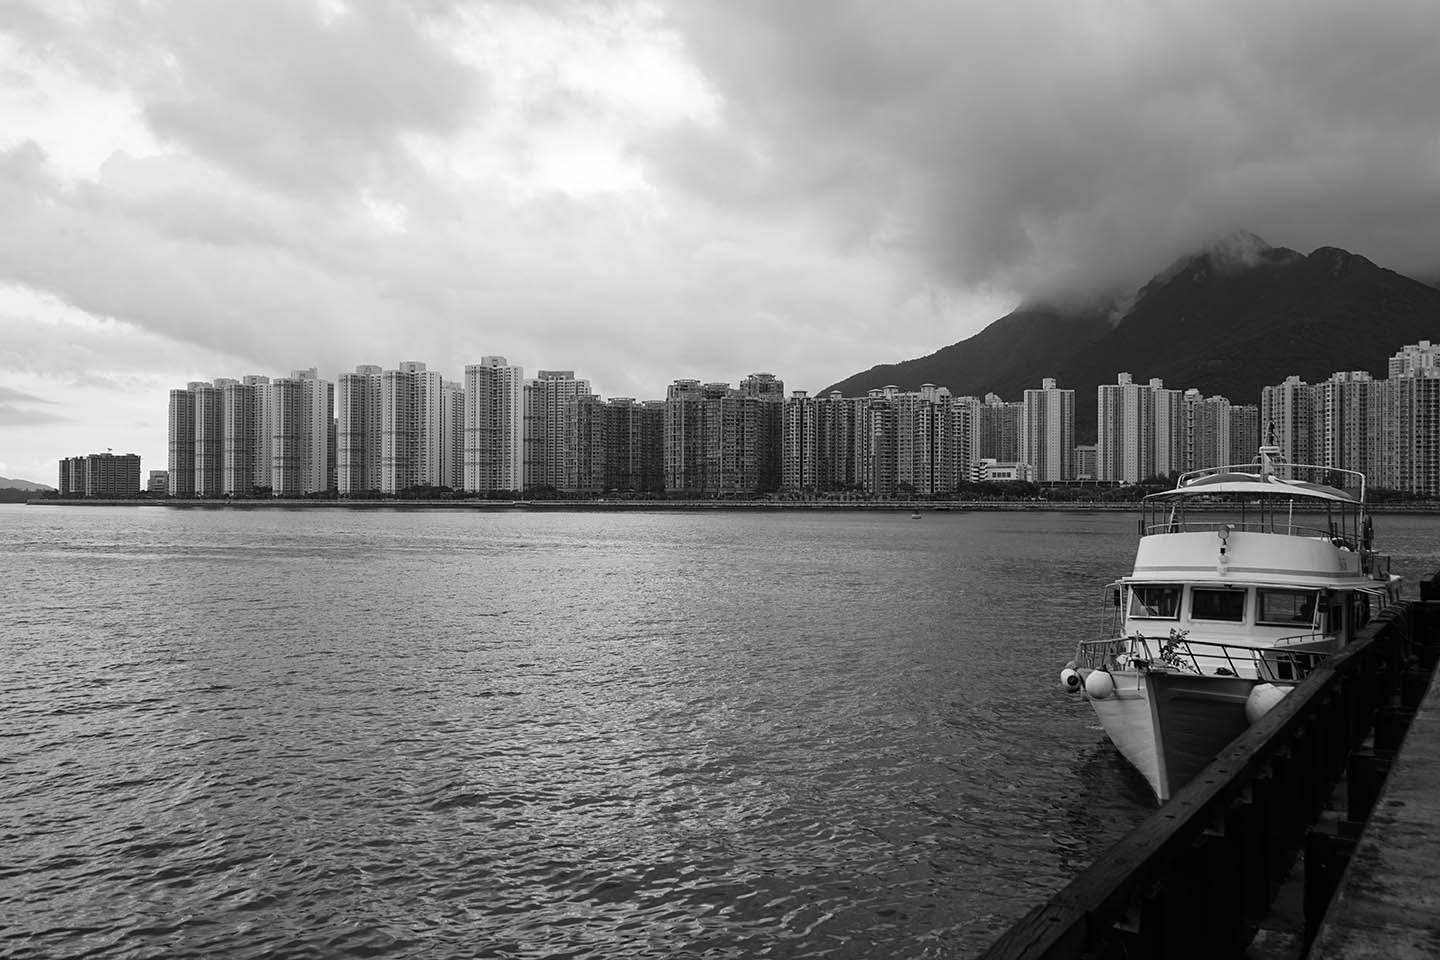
1245	579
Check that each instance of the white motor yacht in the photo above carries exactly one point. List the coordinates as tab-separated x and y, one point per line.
1245	578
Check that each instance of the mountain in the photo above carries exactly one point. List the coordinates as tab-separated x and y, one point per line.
8	484
1231	319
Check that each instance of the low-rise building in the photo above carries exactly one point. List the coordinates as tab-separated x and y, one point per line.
102	475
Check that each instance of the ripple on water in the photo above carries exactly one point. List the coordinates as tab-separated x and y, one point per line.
255	734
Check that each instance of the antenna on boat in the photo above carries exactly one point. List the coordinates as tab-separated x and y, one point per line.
1269	457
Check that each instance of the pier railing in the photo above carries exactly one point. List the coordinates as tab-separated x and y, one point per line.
1197	877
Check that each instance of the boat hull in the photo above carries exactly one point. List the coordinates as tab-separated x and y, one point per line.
1170	725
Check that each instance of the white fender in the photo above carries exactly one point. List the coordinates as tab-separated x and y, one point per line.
1099	685
1263	698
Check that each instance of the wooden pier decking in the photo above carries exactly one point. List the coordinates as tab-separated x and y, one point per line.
1388	901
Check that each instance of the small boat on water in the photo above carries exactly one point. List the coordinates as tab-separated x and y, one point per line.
1245	578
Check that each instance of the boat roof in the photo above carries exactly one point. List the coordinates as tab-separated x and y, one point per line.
1254	483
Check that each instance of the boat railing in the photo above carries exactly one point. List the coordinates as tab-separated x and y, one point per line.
1279	662
1278	525
1307	472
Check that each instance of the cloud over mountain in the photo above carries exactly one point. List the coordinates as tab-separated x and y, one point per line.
1040	143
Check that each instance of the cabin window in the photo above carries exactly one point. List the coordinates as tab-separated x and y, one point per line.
1154	601
1217	605
1359	610
1287	607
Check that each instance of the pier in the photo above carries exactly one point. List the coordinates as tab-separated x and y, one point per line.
1311	835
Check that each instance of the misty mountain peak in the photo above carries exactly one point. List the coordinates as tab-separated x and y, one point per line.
1239	248
1230	253
1229	319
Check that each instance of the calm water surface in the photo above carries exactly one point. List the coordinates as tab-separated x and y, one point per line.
448	734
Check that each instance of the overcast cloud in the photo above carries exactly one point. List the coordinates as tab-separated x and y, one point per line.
640	192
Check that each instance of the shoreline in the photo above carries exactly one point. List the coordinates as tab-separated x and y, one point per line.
561	506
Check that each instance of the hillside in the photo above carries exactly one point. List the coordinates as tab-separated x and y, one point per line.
1229	320
26	485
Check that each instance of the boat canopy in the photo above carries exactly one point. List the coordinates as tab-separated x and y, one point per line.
1252	483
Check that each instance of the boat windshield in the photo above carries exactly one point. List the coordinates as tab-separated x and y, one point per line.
1294	499
1155	601
1336	520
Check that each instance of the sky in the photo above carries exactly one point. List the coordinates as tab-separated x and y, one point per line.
642	191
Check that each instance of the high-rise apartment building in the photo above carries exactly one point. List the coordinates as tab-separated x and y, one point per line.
218	438
182	443
614	446
1415	360
1244	433
303	436
1048	433
1125	431
1286	415
684	437
924	459
1387	429
998	427
1414	454
411	445
238	428
358	419
837	442
1169	434
209	439
719	440
799	456
264	428
876	460
964	442
452	435
1206	432
72	477
1340	422
641	466
288	418
547	402
494	426
588	466
762	409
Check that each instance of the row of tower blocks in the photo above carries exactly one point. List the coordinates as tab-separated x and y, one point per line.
379	432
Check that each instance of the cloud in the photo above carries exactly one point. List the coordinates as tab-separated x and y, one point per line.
17	409
1033	144
14	415
11	395
308	99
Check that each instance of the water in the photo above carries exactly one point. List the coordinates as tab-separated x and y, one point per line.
444	734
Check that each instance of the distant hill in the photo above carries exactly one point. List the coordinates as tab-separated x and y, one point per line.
26	485
1230	320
